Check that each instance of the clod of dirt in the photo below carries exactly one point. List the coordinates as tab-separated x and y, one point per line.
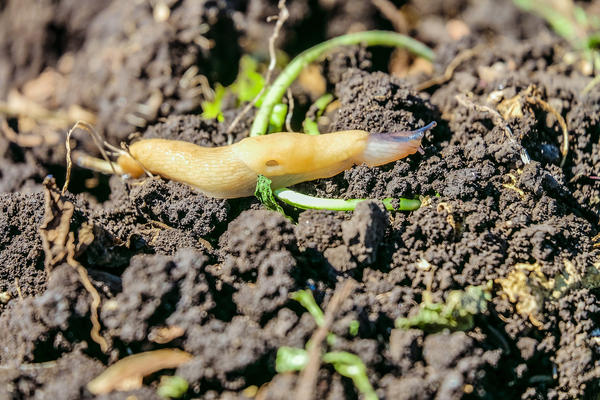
260	247
34	34
364	232
21	253
41	328
159	290
362	235
231	352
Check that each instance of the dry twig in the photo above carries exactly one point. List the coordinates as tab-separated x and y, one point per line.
449	72
308	378
281	18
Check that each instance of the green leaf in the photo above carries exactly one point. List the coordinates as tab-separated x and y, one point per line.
212	109
290	359
264	194
306	299
277	118
353	328
172	387
249	81
351	366
455	314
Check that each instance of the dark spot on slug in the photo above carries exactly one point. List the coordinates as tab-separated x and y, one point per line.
271	163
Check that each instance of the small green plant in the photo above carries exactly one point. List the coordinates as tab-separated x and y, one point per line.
572	23
275	92
266	195
307	300
311	127
248	84
353	328
455	314
291	359
172	387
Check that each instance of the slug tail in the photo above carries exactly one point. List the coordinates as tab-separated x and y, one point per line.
383	148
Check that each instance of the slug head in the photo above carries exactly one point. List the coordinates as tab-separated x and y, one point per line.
383	148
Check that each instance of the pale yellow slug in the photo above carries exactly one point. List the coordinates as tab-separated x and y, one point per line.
286	158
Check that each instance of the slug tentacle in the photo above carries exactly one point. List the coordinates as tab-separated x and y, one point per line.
286	158
383	148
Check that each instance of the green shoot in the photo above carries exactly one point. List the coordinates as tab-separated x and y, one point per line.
307	202
306	299
249	81
290	359
246	87
278	118
571	22
311	126
351	366
213	109
172	387
456	314
371	38
264	194
353	328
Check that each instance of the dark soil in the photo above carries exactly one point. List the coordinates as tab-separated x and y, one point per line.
162	255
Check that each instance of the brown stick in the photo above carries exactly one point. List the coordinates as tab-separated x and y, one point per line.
308	378
281	18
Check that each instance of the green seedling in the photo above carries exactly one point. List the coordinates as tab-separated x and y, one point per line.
213	109
455	314
307	202
246	87
572	23
311	127
276	91
172	387
264	194
353	327
290	359
306	299
267	196
351	366
278	118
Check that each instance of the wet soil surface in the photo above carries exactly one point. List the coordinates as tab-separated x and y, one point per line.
499	211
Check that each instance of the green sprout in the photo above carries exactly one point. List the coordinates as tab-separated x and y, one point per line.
311	127
455	314
306	299
213	109
172	387
278	117
248	84
266	195
581	30
351	366
249	81
371	38
290	359
307	202
353	328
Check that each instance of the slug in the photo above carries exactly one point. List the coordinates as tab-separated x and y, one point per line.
286	158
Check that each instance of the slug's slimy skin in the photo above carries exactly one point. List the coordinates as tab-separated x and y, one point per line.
286	158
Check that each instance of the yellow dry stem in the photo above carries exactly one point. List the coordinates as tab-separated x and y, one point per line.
128	373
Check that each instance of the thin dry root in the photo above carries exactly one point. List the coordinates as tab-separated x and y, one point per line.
97	141
281	18
449	72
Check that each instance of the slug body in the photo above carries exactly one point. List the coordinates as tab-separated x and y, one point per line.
286	158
